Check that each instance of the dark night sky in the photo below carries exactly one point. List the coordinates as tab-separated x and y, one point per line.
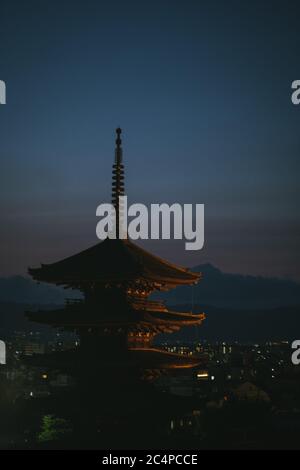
202	92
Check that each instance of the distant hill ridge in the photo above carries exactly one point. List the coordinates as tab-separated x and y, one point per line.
227	290
217	289
20	289
244	308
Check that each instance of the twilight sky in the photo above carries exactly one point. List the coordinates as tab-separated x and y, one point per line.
202	92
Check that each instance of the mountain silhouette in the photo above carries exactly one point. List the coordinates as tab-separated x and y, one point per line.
20	289
217	289
238	307
227	290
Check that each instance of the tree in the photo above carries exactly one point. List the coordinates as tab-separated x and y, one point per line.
53	428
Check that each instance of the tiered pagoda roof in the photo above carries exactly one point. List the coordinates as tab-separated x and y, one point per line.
112	262
134	318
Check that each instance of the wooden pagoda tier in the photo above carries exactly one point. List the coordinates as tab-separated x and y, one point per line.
148	317
122	324
115	263
133	359
115	314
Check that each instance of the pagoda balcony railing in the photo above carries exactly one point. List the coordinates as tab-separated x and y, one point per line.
73	302
141	304
144	304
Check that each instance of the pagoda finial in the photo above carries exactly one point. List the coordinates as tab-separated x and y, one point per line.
118	178
118	151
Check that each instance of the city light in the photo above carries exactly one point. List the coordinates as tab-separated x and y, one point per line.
202	375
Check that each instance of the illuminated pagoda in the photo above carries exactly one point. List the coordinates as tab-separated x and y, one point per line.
115	319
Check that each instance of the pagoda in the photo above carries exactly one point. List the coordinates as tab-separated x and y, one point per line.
115	319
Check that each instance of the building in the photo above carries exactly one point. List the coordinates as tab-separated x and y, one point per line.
115	319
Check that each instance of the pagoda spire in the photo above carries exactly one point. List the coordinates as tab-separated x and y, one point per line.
118	180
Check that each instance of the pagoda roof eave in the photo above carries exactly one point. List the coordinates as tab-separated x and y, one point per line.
151	358
165	359
144	319
113	261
